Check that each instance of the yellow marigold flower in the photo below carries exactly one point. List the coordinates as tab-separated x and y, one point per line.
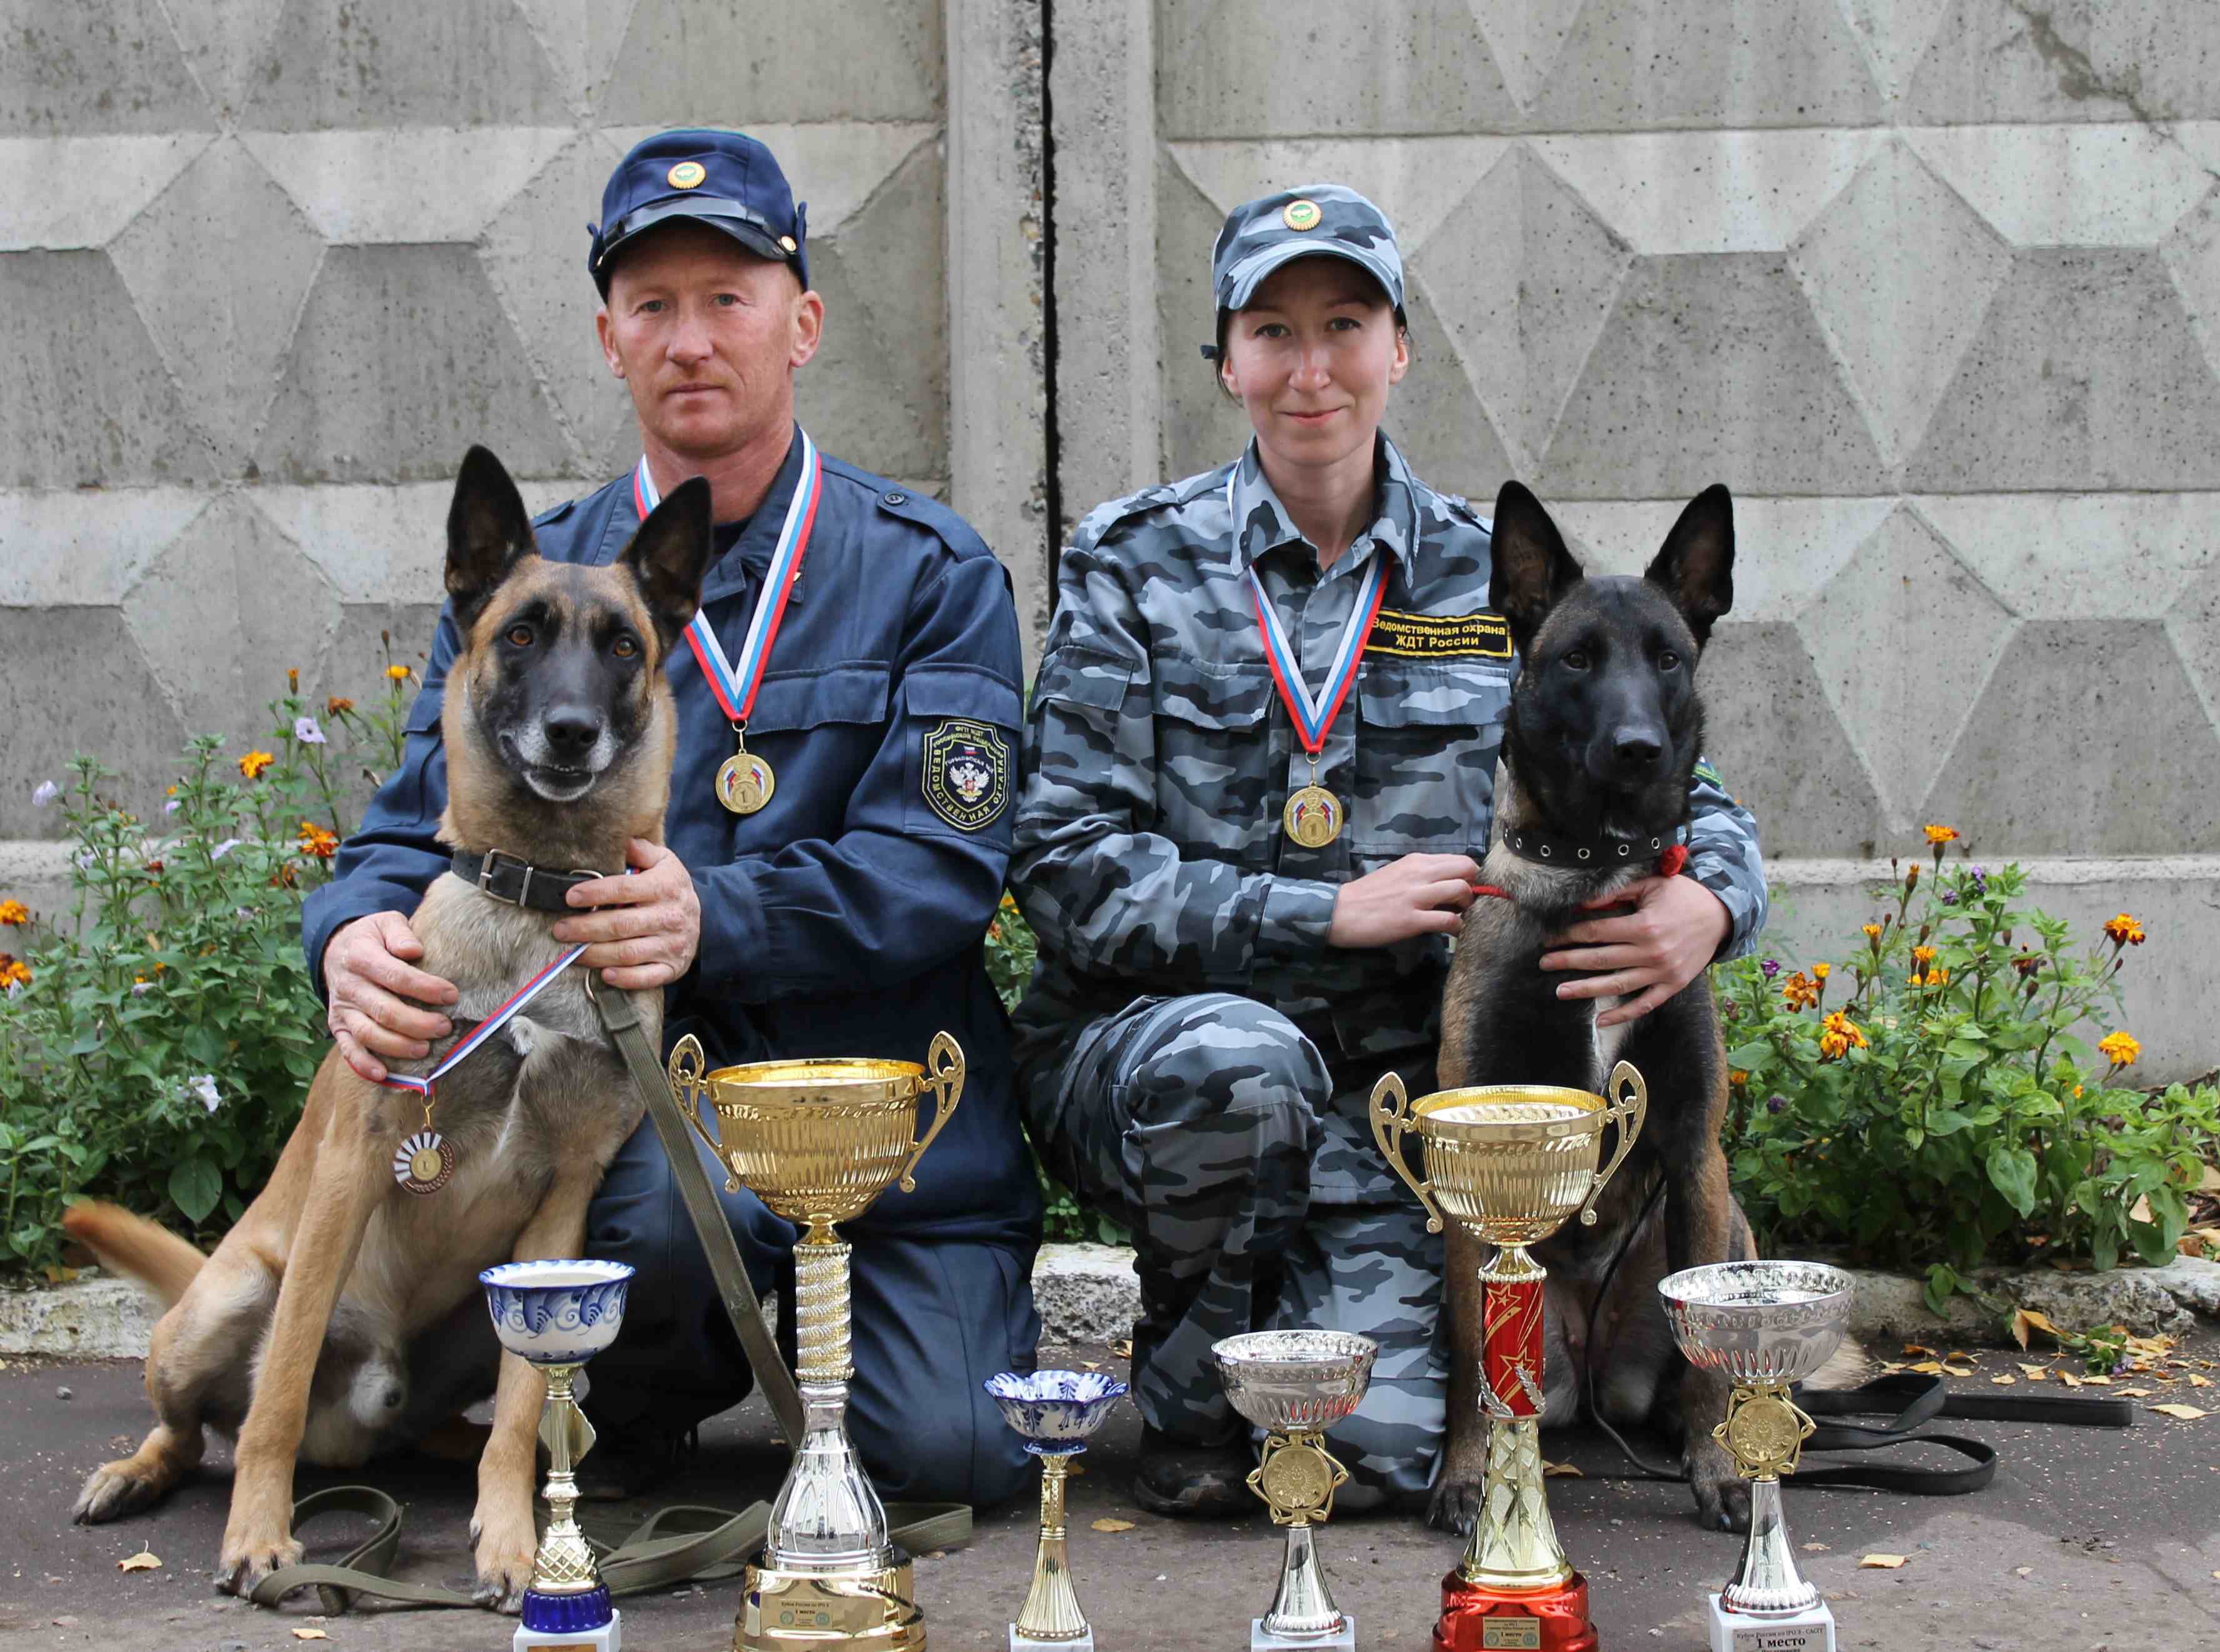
1923	956
1839	1025
2124	931
254	763
15	972
1872	932
315	840
2077	1092
1822	971
1833	1046
13	911
2121	1049
398	673
1941	833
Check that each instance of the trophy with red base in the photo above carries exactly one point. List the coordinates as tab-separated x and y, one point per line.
1509	1163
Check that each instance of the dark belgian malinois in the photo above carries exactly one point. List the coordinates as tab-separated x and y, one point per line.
334	1320
1599	750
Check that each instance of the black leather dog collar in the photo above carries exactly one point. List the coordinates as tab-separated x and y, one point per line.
519	882
1546	849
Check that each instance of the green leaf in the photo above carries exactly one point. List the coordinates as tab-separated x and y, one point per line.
195	1187
2150	1243
1756	1053
1942	1286
2105	1248
2011	1173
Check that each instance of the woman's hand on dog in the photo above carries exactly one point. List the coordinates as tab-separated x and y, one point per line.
1419	894
643	930
378	1002
1643	956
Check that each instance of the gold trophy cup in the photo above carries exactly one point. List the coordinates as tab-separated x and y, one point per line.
817	1141
1509	1164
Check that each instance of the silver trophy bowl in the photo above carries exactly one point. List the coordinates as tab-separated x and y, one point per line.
1765	1324
1295	1382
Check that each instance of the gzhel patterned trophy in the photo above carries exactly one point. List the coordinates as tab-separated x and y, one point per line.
1295	1385
1510	1163
1054	1413
1766	1324
817	1141
558	1315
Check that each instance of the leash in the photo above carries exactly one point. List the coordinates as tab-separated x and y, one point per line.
686	1542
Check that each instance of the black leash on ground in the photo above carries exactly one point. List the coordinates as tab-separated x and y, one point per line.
675	1545
1910	1399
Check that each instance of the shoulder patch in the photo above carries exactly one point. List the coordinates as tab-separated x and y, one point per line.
967	772
1708	774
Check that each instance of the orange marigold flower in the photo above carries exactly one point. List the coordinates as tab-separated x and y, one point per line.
14	972
1941	833
1872	932
1833	1046
2124	931
1737	1078
2121	1049
254	763
337	706
398	673
13	911
1799	991
1923	956
1839	1023
292	679
315	840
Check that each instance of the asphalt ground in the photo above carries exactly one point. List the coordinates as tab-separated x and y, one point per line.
2088	1539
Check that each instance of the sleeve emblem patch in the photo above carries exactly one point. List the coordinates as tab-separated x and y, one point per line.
967	772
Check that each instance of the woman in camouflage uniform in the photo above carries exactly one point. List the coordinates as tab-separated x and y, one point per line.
1256	789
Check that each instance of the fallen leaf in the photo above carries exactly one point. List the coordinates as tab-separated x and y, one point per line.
1815	1549
1113	1526
1092	1365
1917	1347
1556	1470
1957	1371
1882	1563
1928	1368
2004	1382
310	1635
2026	1319
2036	1371
2099	1381
1124	1349
2137	1393
2023	1571
2197	1381
2069	1379
1961	1356
141	1561
2186	1413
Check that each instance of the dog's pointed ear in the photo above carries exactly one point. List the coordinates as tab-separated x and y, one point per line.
670	554
1533	570
1696	566
487	529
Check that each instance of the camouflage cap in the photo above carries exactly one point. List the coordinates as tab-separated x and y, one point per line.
1312	220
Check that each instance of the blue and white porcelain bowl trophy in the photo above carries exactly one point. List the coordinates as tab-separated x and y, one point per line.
558	1315
1054	1413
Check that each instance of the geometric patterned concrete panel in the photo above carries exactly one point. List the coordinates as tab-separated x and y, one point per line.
272	265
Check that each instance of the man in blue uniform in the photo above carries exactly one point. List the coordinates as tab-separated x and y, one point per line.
828	897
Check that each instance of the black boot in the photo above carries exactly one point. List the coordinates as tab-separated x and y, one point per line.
1176	1478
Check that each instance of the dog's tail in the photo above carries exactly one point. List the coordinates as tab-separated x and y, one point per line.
134	1247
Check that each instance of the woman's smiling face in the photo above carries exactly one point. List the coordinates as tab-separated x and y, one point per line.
1312	359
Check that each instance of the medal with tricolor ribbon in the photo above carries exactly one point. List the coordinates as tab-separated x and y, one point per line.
1313	816
423	1162
745	781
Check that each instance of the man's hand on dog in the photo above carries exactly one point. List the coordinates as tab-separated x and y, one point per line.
643	929
1419	894
378	1002
1643	956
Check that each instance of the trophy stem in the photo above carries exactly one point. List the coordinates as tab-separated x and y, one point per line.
828	1519
1051	1609
564	1564
1303	1605
1769	1584
1514	1544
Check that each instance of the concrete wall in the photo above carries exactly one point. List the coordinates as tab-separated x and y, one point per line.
1931	284
1934	287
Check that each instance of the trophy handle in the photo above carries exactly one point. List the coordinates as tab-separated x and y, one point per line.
943	1067
1389	1121
687	1072
1628	1104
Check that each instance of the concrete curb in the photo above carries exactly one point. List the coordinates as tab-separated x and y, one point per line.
1088	1293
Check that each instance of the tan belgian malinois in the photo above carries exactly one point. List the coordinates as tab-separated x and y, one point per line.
319	1328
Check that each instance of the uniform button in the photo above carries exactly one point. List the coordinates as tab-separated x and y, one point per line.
897	499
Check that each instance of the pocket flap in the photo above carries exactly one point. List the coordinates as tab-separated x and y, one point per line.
1076	675
839	693
961	691
1210	695
424	715
1404	694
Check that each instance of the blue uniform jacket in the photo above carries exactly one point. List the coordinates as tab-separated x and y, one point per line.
847	917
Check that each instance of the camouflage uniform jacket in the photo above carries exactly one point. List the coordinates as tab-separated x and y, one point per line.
1147	853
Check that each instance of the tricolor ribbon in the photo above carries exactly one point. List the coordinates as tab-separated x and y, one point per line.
485	1030
1314	717
735	687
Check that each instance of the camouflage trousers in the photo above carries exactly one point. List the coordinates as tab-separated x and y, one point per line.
1201	1124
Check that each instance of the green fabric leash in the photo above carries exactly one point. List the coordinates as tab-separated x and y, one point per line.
703	1544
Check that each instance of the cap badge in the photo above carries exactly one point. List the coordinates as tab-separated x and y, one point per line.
1302	215
686	174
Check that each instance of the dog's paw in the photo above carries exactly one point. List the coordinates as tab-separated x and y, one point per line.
114	1490
1722	1495
246	1561
1456	1503
504	1549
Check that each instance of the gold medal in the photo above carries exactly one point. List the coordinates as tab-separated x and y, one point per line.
424	1162
745	782
1313	816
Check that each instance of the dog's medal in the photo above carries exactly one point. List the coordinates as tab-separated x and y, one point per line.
745	781
1314	816
423	1160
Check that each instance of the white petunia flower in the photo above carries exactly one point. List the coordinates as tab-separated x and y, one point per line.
204	1087
44	792
306	732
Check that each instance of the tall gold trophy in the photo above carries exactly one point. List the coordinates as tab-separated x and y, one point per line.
1510	1163
817	1141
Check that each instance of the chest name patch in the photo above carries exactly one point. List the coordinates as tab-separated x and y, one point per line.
967	772
1428	636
